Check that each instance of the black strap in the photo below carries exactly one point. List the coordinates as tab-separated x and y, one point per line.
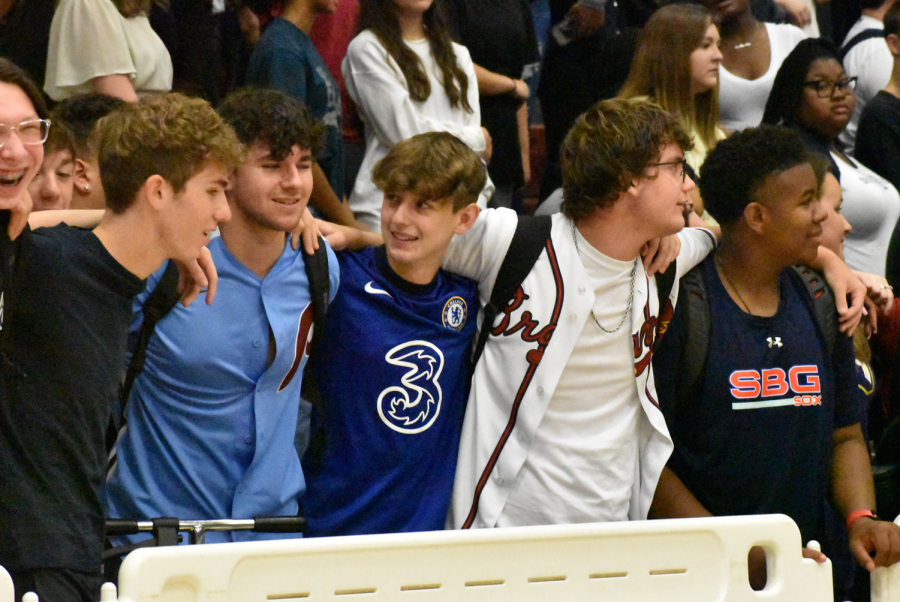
866	34
159	302
319	294
693	308
664	283
319	286
822	298
529	240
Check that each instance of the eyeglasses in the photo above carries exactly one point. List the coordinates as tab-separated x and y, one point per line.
680	162
33	131
826	88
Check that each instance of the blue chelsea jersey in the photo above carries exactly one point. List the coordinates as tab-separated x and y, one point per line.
393	377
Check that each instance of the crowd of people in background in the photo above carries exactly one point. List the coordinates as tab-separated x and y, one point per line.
698	320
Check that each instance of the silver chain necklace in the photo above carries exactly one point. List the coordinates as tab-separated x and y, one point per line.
630	291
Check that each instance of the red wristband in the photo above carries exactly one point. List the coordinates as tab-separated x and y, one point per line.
859	514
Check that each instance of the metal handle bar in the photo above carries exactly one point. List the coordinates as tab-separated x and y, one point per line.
198	528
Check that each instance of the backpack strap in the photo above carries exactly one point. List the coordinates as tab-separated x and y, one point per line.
664	283
822	299
531	236
866	34
317	276
693	305
159	302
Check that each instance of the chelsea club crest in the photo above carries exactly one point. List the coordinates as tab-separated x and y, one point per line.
455	313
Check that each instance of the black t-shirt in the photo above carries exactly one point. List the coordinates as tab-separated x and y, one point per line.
25	35
499	35
67	312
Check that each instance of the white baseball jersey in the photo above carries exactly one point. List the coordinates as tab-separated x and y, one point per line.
527	352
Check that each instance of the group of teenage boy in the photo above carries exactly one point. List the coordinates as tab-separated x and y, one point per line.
569	415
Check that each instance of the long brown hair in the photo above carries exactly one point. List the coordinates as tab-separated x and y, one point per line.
661	68
381	18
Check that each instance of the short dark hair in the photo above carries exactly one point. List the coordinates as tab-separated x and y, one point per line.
610	146
787	89
167	134
80	113
274	118
433	165
892	20
59	139
736	168
12	74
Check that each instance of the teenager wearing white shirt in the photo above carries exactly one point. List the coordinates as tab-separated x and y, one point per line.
406	77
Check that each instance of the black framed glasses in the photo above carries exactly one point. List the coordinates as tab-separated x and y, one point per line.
679	162
825	88
33	131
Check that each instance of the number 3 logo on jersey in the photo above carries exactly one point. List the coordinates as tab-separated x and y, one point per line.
413	406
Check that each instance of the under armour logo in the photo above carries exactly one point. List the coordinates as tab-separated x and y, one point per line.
776	341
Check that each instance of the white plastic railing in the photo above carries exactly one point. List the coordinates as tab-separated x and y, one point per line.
688	559
886	582
7	592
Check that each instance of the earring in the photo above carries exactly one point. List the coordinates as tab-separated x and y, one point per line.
87	187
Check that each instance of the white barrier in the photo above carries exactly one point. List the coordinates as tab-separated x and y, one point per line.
886	582
688	559
7	591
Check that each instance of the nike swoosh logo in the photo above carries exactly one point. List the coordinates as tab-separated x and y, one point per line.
375	291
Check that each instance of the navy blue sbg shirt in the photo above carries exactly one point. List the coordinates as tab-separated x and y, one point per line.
757	438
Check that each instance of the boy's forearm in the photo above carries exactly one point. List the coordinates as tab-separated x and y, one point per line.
82	218
825	259
361	239
345	237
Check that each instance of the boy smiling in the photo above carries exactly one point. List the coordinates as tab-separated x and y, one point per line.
772	425
211	418
65	318
384	442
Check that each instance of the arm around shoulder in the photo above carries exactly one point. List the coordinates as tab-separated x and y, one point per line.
696	244
478	253
81	218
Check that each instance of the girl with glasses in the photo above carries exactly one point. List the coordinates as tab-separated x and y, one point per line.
813	95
